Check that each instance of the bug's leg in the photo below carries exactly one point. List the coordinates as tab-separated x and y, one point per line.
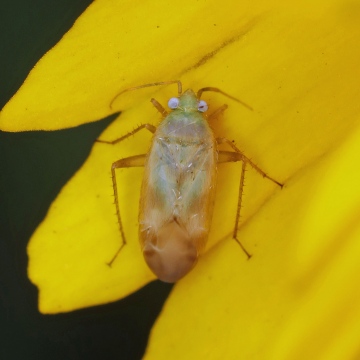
239	156
237	219
231	156
241	188
149	127
133	161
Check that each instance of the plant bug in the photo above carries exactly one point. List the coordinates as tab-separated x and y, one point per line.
178	188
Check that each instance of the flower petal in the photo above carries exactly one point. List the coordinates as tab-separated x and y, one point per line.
91	219
289	81
297	297
113	46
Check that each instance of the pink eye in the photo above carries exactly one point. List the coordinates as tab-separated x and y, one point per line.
202	106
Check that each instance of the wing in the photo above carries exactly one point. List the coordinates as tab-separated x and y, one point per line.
179	186
176	206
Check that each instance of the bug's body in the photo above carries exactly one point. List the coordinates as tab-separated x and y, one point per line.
178	188
178	191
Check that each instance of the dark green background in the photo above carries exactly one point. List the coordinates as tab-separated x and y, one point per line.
33	168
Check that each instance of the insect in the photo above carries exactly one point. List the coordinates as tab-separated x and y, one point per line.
178	188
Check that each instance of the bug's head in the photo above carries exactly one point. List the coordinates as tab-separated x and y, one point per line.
188	102
172	254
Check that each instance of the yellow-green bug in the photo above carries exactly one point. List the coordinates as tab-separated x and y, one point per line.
178	189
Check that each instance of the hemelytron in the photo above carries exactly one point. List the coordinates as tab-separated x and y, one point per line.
178	188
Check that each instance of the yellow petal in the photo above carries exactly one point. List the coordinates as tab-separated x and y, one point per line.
89	194
298	69
114	45
297	298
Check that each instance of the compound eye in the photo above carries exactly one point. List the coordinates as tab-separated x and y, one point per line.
202	106
173	103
